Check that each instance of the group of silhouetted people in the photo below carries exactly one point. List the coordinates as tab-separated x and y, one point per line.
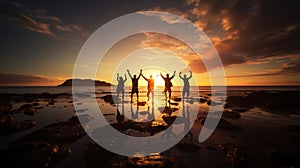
168	85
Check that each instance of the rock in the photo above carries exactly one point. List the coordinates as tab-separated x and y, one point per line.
28	109
202	100
240	110
231	114
169	119
188	147
6	118
177	99
167	110
174	103
34	154
141	103
35	104
95	155
152	161
51	103
213	103
284	158
109	99
233	155
14	127
238	101
223	124
63	132
45	95
85	118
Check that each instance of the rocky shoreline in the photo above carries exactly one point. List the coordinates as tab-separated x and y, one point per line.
49	145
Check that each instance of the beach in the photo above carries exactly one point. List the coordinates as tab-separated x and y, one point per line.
259	127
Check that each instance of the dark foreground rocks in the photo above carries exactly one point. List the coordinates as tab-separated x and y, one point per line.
223	124
96	156
44	147
282	102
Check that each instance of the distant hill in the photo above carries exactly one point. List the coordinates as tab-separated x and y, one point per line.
84	82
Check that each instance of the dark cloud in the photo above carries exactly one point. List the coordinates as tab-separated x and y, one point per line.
36	20
249	30
9	79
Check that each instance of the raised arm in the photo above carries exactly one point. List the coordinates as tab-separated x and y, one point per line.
180	76
190	75
162	76
139	75
118	77
145	77
173	75
129	74
125	78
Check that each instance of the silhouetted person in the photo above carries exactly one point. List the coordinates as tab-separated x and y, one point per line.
120	87
186	85
168	84
135	85
150	86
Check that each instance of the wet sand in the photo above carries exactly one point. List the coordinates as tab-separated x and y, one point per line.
257	129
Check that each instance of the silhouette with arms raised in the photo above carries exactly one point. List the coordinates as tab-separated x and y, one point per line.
168	84
135	84
120	87
150	86
186	85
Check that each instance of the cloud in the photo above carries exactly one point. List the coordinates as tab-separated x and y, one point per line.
26	22
288	68
166	17
9	79
246	31
36	20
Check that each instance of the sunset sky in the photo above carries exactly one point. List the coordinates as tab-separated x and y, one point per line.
257	40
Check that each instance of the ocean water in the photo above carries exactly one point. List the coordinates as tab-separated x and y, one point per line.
142	89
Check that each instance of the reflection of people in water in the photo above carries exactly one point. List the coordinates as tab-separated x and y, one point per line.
186	85
135	85
168	84
120	87
151	115
136	114
150	86
120	117
187	120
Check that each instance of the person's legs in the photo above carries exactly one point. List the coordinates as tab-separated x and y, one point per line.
118	93
148	94
169	90
152	93
165	93
132	91
122	95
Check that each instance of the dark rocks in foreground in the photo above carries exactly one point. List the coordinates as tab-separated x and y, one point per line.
282	102
8	128
223	124
44	147
153	161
